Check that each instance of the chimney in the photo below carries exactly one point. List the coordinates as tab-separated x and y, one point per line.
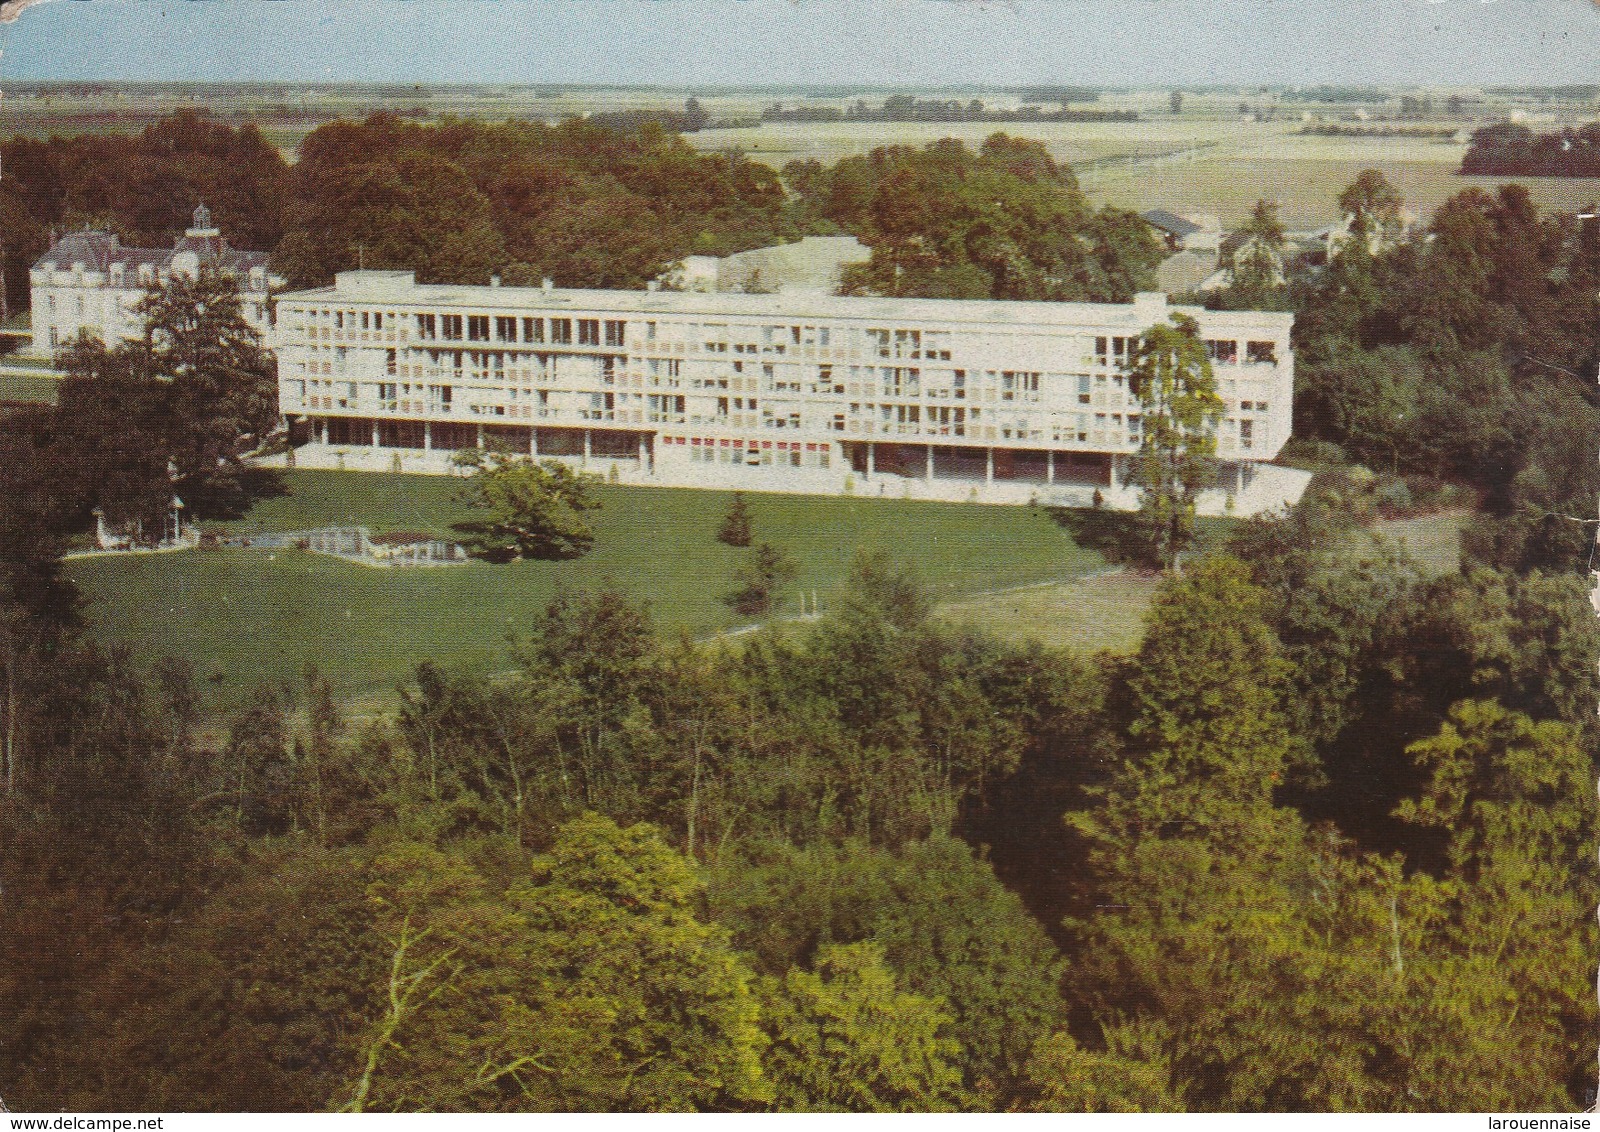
653	285
494	281
547	284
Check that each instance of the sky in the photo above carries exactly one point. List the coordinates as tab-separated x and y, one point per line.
744	42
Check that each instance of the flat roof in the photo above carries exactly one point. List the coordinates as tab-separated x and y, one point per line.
395	289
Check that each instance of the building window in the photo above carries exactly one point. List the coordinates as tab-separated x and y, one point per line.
478	327
451	327
614	331
427	326
561	331
505	328
1222	350
533	330
588	332
1261	353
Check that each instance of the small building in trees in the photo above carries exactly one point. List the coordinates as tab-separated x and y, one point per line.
966	400
90	282
1195	232
813	265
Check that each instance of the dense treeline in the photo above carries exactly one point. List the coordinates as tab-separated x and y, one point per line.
1006	222
598	202
587	205
1464	351
1508	149
1323	846
909	108
142	187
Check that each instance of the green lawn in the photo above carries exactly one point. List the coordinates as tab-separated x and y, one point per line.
1105	611
23	388
1433	540
246	616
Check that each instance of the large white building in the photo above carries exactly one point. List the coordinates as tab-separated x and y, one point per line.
939	399
89	282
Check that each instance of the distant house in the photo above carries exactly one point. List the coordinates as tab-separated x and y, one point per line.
1192	232
89	282
812	266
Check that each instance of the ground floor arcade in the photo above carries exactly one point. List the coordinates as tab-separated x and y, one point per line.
677	458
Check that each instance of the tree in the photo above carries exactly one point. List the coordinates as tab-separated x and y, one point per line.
1258	261
1371	207
529	510
763	578
591	985
945	927
1170	375
1131	1074
176	411
1007	222
735	529
846	1039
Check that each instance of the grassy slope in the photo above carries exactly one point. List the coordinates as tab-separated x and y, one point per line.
1106	610
254	616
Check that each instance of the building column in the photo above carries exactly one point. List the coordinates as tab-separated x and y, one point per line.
872	465
930	463
1238	476
1111	480
427	436
588	444
480	438
644	455
322	430
375	434
1050	466
988	465
533	442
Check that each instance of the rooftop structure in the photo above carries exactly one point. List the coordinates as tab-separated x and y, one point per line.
812	265
803	392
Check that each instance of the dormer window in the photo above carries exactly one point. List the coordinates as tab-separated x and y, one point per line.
146	276
116	274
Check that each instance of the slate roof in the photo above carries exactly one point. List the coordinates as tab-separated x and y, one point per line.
1169	222
99	251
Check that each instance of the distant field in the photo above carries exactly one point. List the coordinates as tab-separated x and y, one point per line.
248	616
1218	165
1306	189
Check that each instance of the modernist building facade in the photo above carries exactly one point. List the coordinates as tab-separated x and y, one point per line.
788	392
89	282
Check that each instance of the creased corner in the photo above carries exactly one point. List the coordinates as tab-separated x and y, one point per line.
11	9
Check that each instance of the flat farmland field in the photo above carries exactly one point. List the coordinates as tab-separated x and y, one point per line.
1186	163
249	616
1306	189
